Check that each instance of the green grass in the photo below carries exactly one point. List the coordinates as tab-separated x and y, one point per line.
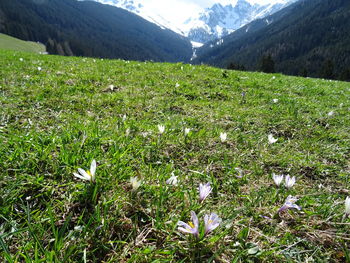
11	43
60	118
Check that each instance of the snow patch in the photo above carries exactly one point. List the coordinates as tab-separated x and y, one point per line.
196	44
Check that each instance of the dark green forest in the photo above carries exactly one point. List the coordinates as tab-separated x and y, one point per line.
69	27
308	38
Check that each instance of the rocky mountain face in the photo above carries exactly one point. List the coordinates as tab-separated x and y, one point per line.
208	24
219	21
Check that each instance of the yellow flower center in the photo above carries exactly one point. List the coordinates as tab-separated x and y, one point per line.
191	224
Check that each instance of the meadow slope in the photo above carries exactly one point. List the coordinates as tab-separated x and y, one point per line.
12	43
59	113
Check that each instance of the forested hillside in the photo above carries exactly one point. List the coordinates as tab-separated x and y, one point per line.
308	38
69	27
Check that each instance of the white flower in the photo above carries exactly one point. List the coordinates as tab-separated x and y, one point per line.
289	181
39	68
347	206
289	203
240	172
135	183
161	128
204	191
331	113
277	178
145	134
21	59
87	175
271	139
275	100
211	222
223	136
187	131
124	117
191	227
177	85
172	180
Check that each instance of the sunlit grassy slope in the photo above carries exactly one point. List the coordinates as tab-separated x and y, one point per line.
11	43
59	113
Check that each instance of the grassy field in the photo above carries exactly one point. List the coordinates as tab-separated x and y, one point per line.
11	43
59	114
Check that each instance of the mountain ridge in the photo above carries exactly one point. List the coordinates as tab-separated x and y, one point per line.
209	24
221	20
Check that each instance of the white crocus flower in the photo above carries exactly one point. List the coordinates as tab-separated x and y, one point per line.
172	180
177	85
161	128
277	178
87	175
275	100
240	172
223	136
145	134
347	206
135	183
187	131
271	139
289	181
204	191
289	203
191	227
331	113
39	68
211	222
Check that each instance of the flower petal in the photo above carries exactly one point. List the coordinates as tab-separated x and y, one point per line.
80	177
195	219
93	168
84	173
184	227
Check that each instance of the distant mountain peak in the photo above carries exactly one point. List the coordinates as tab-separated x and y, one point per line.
213	22
218	20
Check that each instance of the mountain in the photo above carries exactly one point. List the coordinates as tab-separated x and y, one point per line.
218	20
141	8
87	28
309	38
209	23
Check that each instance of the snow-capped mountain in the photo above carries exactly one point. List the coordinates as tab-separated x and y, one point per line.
219	20
209	23
146	12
